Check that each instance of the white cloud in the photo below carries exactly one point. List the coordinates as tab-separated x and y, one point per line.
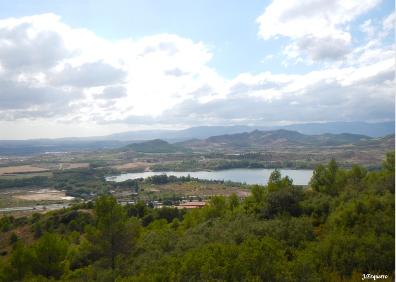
88	75
113	92
368	28
165	80
318	29
362	92
389	22
42	53
25	45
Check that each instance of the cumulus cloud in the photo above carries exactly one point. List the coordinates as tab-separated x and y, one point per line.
44	63
88	75
113	92
389	22
72	76
318	29
175	72
24	46
362	93
319	48
24	96
368	28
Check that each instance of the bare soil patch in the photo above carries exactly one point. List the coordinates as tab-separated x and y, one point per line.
42	195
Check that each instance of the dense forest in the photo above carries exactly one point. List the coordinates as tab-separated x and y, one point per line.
337	229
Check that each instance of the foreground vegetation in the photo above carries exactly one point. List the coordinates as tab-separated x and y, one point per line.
339	228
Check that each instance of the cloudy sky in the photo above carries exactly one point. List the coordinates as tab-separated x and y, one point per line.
83	68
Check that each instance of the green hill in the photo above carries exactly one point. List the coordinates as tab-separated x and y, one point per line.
155	146
274	139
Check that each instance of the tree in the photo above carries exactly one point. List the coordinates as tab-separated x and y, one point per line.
137	210
258	194
21	261
49	254
216	208
355	177
114	234
276	181
389	163
262	260
389	172
283	201
327	179
383	180
254	202
212	262
275	177
233	202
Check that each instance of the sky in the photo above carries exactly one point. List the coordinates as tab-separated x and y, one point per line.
91	68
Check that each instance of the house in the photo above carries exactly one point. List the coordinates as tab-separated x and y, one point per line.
191	205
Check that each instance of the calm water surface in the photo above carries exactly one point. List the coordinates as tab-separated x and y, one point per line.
248	176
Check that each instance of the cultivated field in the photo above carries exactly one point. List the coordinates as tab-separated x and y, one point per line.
132	166
21	169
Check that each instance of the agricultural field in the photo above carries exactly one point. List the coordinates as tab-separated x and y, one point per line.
13	170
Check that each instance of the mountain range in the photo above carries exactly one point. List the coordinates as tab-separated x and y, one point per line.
262	140
272	148
362	128
302	133
281	139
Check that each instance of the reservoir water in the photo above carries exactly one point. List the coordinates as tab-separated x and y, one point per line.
243	175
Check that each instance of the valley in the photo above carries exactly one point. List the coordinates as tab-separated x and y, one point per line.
82	175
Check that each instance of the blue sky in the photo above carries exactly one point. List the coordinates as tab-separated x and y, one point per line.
237	61
228	27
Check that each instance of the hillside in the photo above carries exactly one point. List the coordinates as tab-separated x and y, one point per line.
154	146
201	132
259	140
379	129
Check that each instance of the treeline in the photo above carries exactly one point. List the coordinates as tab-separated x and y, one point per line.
339	228
36	181
165	179
82	182
220	164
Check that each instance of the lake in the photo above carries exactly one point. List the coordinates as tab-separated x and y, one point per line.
243	175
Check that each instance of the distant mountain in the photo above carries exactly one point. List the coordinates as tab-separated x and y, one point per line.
154	146
363	128
178	135
259	140
380	142
40	146
43	146
202	132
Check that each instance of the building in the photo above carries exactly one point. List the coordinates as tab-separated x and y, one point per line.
191	205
